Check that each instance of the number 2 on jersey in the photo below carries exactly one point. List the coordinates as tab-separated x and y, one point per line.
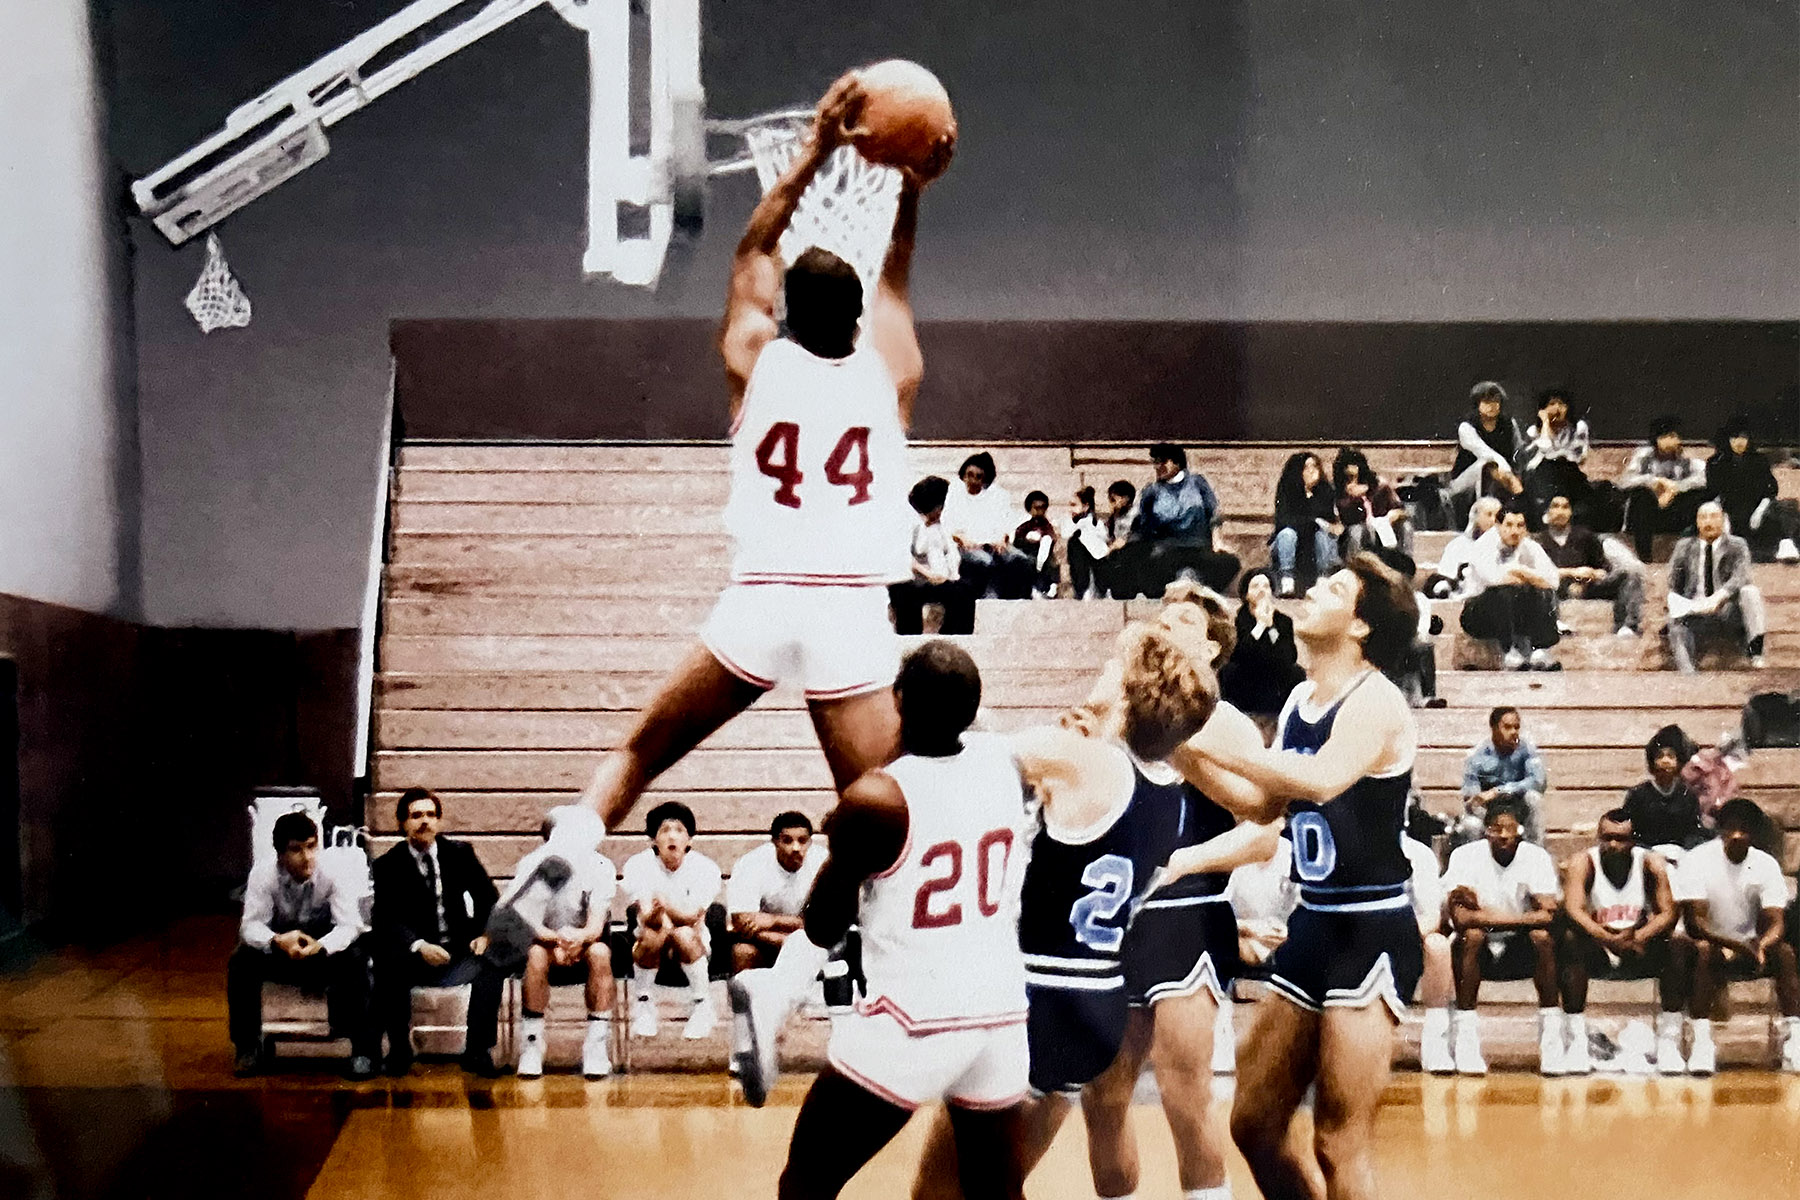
1110	876
778	457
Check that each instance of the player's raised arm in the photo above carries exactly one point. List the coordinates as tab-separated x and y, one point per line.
1372	735
749	322
1244	843
1227	731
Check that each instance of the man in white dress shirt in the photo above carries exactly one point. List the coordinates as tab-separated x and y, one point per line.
1511	588
768	890
672	886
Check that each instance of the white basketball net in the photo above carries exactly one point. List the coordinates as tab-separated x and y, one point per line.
848	208
217	301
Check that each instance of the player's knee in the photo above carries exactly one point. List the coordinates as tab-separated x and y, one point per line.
1541	941
687	945
744	957
647	949
1469	941
599	957
537	958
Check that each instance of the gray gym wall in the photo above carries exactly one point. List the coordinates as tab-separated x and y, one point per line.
1406	162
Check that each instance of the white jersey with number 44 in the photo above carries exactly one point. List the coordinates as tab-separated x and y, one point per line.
940	929
818	471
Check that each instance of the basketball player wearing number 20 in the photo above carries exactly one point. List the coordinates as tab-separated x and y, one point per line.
820	404
1341	771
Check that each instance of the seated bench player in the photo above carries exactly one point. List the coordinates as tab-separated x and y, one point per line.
1500	898
1621	924
300	928
672	885
768	890
550	927
1732	896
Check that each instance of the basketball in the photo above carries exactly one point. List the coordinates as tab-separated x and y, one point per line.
905	115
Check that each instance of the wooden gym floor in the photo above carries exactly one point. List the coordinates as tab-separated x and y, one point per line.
115	1081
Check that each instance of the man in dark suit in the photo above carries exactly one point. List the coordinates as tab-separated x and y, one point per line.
1710	591
432	900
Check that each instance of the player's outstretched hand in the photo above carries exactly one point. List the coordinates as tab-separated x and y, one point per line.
839	110
934	164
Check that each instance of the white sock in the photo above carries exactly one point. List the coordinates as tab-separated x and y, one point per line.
1463	1023
1437	1023
1702	1030
1222	1192
532	1028
1577	1026
1668	1024
1549	1021
697	981
645	979
799	963
602	1019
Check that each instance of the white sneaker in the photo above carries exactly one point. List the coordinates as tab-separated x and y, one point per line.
1435	1057
531	1058
1704	1059
1668	1056
1576	1059
702	1023
1553	1058
1759	662
1564	629
596	1062
1790	1053
1625	631
644	1021
1468	1051
1541	661
1513	660
758	1011
1786	551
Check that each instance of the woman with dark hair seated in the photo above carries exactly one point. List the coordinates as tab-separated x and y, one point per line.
1368	507
1306	524
1739	477
1265	666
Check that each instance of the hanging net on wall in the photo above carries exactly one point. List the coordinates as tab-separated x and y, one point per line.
217	299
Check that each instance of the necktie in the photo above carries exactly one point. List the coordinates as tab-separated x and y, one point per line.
1709	570
437	898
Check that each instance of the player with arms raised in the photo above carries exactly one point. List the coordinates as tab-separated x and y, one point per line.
819	477
1341	770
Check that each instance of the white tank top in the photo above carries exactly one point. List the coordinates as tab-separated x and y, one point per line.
940	929
1617	907
818	472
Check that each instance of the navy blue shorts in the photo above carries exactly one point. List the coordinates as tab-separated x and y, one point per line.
1176	947
1074	1035
1349	960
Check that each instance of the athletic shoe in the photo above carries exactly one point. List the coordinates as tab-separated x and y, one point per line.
1790	1052
644	1021
1468	1051
596	1063
1576	1058
1436	702
1668	1056
1758	662
1787	551
1704	1059
531	1058
479	1063
361	1066
1513	660
1553	1058
1564	629
1625	631
1435	1057
701	1023
758	1011
1541	661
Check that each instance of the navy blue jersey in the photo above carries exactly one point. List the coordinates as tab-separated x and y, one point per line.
1078	899
1347	854
1201	820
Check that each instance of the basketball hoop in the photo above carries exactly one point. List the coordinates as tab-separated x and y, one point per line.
217	300
848	208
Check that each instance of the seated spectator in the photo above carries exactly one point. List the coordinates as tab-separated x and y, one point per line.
1500	899
1585	571
300	928
1506	766
1621	924
1087	544
768	888
1739	477
1710	592
1416	672
936	568
1306	534
1513	595
1451	580
1664	810
672	885
1368	507
1732	895
1549	460
1035	538
1662	487
432	900
1265	664
1172	532
1437	982
979	515
550	927
1486	442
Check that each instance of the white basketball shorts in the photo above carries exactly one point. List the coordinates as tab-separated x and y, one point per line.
835	642
984	1067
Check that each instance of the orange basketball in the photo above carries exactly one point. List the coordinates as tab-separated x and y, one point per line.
905	114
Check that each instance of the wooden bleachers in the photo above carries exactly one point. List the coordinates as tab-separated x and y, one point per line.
534	596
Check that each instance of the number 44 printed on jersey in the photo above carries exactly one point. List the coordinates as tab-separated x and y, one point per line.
778	457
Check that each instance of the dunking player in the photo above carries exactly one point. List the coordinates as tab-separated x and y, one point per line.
817	505
890	1051
1343	765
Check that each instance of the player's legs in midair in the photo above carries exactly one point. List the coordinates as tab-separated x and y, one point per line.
857	733
1277	1062
1181	1056
698	698
1356	1047
1106	1110
841	1127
